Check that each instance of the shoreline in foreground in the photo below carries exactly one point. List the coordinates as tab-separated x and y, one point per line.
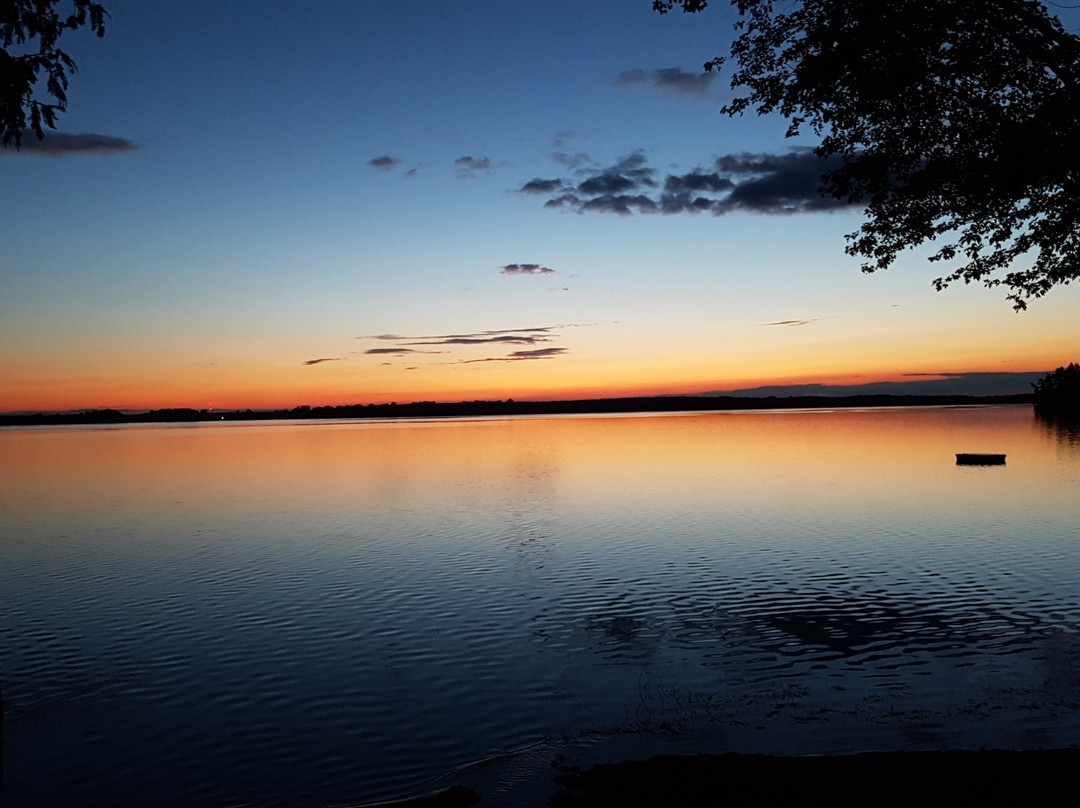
996	776
434	409
928	777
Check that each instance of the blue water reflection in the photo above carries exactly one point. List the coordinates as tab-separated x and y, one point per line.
316	614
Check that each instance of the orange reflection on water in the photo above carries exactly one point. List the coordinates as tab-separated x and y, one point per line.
791	465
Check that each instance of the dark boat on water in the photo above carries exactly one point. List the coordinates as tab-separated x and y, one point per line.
979	459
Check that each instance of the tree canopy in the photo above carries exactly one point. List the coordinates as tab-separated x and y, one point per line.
957	124
29	34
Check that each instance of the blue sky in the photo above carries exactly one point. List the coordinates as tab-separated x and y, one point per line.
289	181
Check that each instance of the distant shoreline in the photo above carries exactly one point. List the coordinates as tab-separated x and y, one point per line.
433	409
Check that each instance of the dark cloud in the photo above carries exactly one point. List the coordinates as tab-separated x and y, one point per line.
697	181
778	183
668	80
539	186
563	200
468	163
384	163
320	361
684	202
56	144
629	173
760	183
607	183
526	269
622	204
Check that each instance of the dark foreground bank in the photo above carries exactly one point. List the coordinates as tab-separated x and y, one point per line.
1041	777
912	778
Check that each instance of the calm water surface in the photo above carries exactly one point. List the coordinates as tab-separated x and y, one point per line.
310	614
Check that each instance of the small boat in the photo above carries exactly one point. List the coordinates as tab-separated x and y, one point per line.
979	459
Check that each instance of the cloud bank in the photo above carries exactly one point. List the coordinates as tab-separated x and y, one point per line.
757	183
921	384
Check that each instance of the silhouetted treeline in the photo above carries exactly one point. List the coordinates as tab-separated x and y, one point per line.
1057	394
434	409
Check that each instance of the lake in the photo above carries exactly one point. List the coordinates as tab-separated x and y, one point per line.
328	613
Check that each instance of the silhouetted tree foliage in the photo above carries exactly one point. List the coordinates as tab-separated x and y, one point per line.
956	120
1058	393
29	33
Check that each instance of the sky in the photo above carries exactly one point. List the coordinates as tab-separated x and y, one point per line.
271	204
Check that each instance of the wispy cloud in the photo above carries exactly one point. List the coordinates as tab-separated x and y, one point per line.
544	329
668	80
539	353
518	356
325	359
384	163
758	183
565	136
792	322
399	351
526	269
538	335
539	186
514	339
57	144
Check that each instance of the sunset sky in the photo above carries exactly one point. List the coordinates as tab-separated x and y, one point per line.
273	204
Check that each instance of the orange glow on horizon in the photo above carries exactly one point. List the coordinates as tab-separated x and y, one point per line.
285	392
